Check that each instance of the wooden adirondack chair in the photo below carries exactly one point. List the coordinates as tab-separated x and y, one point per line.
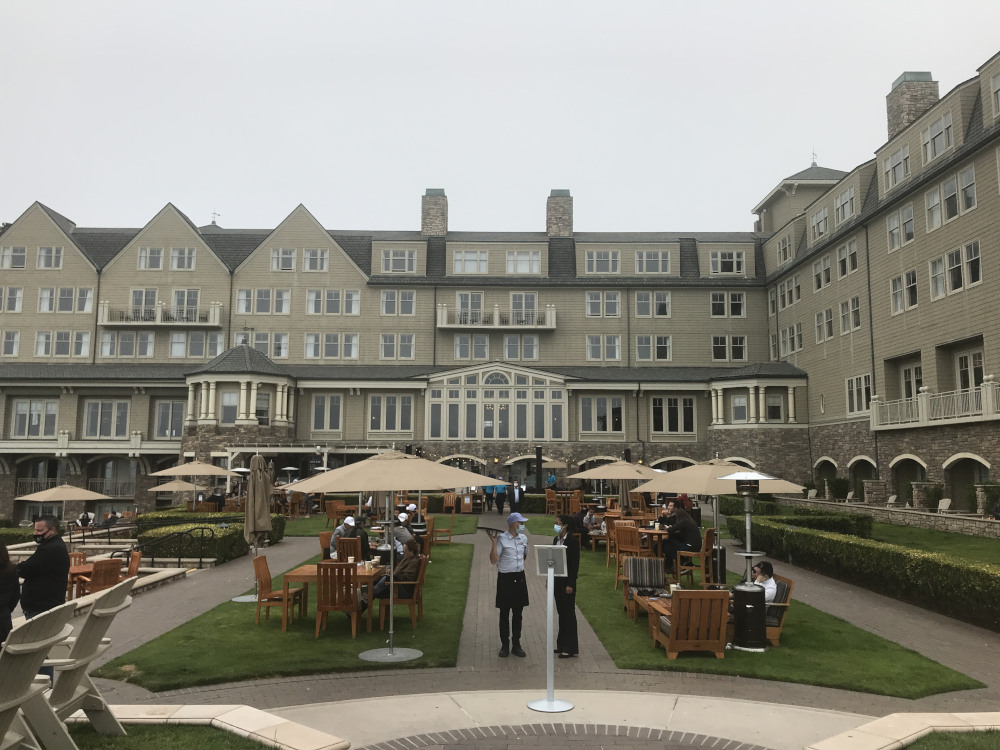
697	622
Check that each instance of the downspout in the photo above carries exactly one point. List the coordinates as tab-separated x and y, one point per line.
97	314
871	344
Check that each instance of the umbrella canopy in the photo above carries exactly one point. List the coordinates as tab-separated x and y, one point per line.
554	463
194	469
290	468
703	479
62	493
392	471
175	485
258	513
617	470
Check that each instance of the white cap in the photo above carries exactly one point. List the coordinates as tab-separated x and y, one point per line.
403	518
411	506
349	520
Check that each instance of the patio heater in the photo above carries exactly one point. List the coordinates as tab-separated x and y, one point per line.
749	609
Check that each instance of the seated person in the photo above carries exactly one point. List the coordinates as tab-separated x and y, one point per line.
402	533
668	517
407	568
111	520
590	521
83	520
684	536
763	575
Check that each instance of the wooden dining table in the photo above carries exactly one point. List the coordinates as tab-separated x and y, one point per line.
76	572
306	574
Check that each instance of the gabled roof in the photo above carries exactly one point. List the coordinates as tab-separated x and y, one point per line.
813	175
242	359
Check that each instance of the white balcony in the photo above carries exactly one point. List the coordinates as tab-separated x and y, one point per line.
160	314
498	318
953	407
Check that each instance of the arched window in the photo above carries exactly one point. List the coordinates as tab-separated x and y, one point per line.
496	378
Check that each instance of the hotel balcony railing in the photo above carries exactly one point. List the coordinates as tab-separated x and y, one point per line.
112	487
497	317
160	314
953	407
28	485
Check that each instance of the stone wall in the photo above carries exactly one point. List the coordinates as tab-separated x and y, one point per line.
780	452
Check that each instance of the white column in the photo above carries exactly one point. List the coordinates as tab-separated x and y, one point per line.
279	405
721	396
791	404
752	404
762	400
252	411
242	411
203	410
715	406
211	400
291	404
190	403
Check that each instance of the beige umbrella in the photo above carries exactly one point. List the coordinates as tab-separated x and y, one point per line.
554	463
703	479
61	493
194	469
257	521
176	485
621	472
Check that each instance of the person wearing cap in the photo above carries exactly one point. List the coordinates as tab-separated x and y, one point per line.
508	553
411	510
401	532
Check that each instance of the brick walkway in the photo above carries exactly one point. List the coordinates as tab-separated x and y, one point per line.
952	643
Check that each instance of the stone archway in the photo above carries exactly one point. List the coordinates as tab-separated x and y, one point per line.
859	469
906	469
962	473
825	468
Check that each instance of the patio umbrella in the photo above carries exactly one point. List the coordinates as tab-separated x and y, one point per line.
194	469
61	493
703	479
554	463
258	513
621	472
176	485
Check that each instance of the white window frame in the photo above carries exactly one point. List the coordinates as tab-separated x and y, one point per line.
13	257
679	411
652	261
399	261
937	138
847	258
822	275
150	259
34	418
183	258
327	409
820	223
315	259
117	430
896	167
726	262
783	250
402	412
644	347
12	299
844	206
50	258
524	262
283	258
593	407
470	262
10	345
602	262
859	394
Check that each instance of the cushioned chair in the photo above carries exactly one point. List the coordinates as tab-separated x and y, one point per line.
697	622
645	574
776	610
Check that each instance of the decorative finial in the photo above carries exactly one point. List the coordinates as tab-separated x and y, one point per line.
215	215
813	160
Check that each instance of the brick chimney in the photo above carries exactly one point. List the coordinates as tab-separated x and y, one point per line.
434	213
912	94
559	214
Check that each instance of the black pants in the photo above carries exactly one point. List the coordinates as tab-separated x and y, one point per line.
510	619
670	549
566	641
500	500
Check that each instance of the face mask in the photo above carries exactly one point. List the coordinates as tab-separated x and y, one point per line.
39	538
558	528
520	528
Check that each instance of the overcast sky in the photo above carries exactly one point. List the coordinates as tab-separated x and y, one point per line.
673	116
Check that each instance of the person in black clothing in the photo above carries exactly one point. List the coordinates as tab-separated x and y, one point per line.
516	496
684	536
667	517
580	527
565	588
10	591
45	573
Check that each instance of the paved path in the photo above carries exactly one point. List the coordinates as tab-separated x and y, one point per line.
955	644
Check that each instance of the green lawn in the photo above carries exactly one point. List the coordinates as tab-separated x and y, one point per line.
816	648
989	740
224	644
975	548
162	737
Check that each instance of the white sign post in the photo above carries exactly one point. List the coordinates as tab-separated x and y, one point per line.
551	563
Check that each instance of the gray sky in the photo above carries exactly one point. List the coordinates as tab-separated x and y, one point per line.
675	116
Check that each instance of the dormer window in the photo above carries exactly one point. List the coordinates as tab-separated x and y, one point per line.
399	261
936	138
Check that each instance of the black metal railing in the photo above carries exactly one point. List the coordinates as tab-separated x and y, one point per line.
197	536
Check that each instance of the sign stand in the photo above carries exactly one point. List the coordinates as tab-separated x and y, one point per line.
551	563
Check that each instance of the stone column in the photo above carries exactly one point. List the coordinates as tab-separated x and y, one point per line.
211	400
189	416
762	401
876	491
981	500
241	413
920	491
720	394
791	404
203	410
752	404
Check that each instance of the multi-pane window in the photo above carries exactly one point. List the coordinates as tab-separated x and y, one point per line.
859	394
847	258
652	261
315	259
731	348
643	304
784	249
474	346
967	188
958	269
790	339
932	204
326	412
821	273
349	348
739	408
995	83
661	304
774	407
313	346
34	418
903	292
850	315
673	414
899	226
65	299
603	304
396	346
789	292
132	343
50	257
46	299
936	137
62	347
896	167
604	348
43	343
282	301
13	257
824	325
11	299
283	259
11	344
399	261
820	223
520	346
229	406
727	305
390	413
524	262
644	347
844	206
352	302
662	351
602	261
470	261
150	258
107	420
182	258
169	420
280	346
726	261
601	414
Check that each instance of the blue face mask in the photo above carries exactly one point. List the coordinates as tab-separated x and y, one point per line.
520	528
558	528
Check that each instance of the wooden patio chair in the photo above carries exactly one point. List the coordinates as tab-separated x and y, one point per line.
552	505
626	545
812	495
575	502
774	613
134	560
337	591
267	598
75	558
331	513
646	574
697	622
442	535
23	653
73	659
107	573
296	505
450	500
427	539
415	601
610	548
348	547
340	511
325	537
690	561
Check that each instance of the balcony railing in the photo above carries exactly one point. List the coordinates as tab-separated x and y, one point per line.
966	405
27	485
160	314
497	317
112	487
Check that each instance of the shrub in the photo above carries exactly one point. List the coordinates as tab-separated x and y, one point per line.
16	535
733	505
934	494
172	517
839	486
224	543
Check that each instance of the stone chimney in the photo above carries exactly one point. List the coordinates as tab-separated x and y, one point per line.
913	93
559	214
434	213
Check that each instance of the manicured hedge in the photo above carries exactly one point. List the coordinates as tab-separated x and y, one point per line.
16	536
967	591
179	516
225	543
731	505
